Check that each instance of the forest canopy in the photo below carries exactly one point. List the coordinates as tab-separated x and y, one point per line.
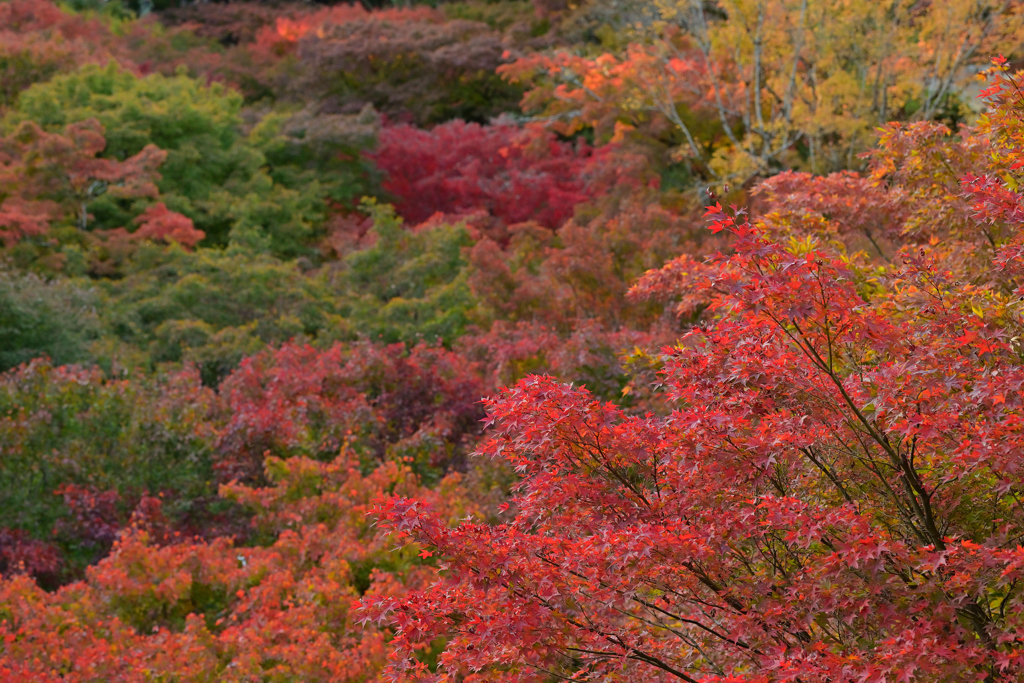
509	340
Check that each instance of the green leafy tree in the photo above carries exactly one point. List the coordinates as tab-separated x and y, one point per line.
213	174
196	125
73	426
410	285
215	307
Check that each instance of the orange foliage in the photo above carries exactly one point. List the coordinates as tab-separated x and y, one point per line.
287	31
212	611
48	176
609	93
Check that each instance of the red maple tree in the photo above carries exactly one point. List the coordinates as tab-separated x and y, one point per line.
460	168
833	496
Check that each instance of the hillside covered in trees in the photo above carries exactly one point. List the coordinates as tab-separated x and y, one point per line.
499	340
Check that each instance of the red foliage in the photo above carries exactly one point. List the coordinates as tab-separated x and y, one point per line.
678	282
573	91
20	219
855	206
212	611
280	38
305	52
591	354
458	168
48	176
231	23
26	16
21	554
288	30
826	488
38	40
133	177
582	270
742	530
97	518
834	495
159	223
385	402
94	517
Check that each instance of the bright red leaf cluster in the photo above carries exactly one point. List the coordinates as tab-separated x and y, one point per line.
158	223
833	496
460	168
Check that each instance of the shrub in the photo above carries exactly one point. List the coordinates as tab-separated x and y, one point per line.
55	318
412	67
416	406
409	285
214	308
457	168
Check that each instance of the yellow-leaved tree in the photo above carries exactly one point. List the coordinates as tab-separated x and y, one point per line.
745	88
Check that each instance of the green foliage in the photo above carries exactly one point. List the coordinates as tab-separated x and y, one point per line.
70	425
150	611
273	183
114	9
316	363
215	307
21	68
410	286
307	148
196	125
45	318
193	122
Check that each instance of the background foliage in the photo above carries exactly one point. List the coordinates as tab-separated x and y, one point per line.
262	262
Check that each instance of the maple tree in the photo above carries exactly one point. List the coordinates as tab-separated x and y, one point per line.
832	496
45	170
459	168
87	454
382	403
211	174
583	269
211	610
76	441
159	223
40	40
410	63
